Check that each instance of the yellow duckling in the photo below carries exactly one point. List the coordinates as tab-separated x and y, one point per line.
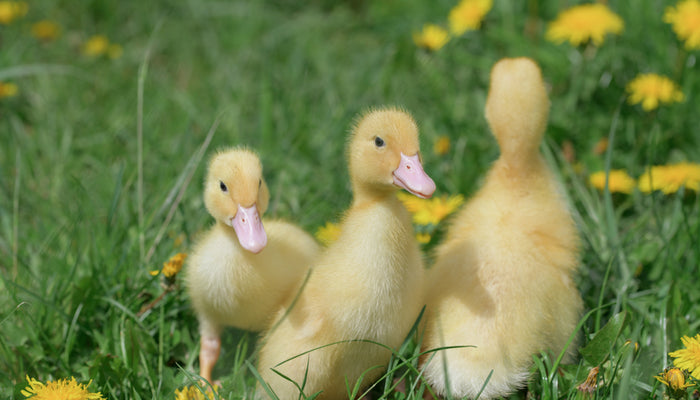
240	273
503	278
367	285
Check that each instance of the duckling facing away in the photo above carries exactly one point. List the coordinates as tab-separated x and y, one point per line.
231	280
503	278
368	284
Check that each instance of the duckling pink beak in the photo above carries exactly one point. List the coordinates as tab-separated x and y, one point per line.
249	229
410	176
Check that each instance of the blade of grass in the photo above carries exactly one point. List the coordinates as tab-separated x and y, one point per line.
204	387
17	307
19	71
260	380
299	387
291	305
40	299
125	310
358	383
601	296
70	335
196	158
139	147
572	337
143	71
486	382
610	219
15	214
115	198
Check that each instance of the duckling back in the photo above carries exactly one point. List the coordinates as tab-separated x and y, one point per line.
503	278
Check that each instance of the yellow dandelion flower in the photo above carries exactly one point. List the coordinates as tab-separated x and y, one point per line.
46	30
685	21
11	10
689	357
411	202
61	389
467	15
174	265
96	46
670	178
437	209
328	233
581	24
675	380
8	89
432	37
652	89
193	393
619	181
430	211
442	146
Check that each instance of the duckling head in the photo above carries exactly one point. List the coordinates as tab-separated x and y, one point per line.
236	195
517	106
384	153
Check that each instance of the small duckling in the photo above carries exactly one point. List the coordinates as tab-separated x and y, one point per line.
231	280
503	278
367	285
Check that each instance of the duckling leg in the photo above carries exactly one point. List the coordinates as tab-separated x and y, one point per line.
210	348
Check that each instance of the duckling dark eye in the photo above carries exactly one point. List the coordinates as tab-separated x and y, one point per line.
259	183
379	142
223	187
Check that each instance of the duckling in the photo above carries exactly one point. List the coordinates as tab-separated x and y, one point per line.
231	280
367	285
502	281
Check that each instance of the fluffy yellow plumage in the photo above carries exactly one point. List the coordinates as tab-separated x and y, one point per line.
502	280
368	284
240	273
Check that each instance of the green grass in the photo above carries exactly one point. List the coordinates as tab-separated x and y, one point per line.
82	220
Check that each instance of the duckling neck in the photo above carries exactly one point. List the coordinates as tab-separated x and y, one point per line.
228	230
382	226
370	194
523	162
521	170
380	261
221	225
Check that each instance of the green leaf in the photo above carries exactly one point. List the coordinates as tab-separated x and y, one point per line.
598	349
